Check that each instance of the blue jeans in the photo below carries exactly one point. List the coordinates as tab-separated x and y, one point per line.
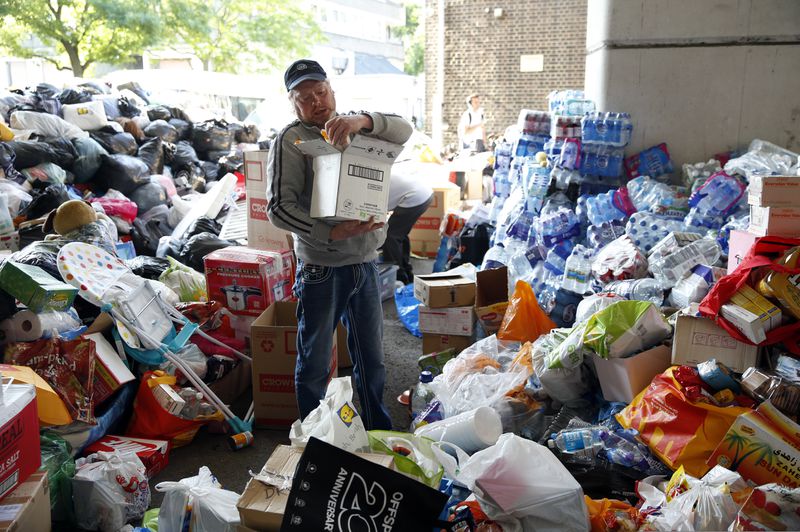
325	295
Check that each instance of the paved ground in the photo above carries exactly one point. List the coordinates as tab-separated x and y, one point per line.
231	468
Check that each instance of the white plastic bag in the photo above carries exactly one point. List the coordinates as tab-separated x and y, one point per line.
481	375
562	384
213	509
334	421
109	490
87	116
523	479
46	125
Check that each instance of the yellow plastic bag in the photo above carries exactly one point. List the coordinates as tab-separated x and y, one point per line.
678	431
524	321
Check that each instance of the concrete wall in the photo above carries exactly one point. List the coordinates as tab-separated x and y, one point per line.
703	76
482	55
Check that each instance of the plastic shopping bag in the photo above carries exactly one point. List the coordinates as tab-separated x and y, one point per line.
677	430
109	490
198	504
151	420
412	454
189	284
524	321
334	421
520	478
340	491
624	328
760	258
408	309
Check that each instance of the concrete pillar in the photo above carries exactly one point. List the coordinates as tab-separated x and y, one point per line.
703	76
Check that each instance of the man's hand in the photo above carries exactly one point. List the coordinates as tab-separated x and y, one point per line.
353	228
339	128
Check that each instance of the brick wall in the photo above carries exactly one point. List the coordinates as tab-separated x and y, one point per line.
482	55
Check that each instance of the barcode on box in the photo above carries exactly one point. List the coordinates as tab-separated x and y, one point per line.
9	483
364	172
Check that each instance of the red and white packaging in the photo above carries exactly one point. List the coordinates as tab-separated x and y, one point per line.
19	435
247	281
154	454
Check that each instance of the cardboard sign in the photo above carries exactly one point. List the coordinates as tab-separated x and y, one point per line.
338	491
352	184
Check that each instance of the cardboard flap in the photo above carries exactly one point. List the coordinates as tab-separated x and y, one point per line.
491	286
317	147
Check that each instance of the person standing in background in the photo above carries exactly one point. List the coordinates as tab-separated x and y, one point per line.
471	127
409	198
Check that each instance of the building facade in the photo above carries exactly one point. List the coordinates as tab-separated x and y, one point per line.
511	53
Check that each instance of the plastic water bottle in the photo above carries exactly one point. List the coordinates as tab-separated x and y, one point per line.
620	451
556	260
496	257
647	229
581	445
599	236
613	129
711	202
601	160
638	290
602	208
555	227
578	271
668	268
423	394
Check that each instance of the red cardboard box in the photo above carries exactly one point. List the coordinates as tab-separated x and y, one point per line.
19	436
154	454
247	281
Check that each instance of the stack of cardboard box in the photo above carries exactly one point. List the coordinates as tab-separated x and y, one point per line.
446	315
424	236
774	211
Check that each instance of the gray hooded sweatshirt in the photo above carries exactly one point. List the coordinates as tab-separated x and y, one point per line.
290	179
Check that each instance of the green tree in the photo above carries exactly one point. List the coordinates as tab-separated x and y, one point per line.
246	36
82	32
413	40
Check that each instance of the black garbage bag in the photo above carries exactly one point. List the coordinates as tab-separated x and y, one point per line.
121	172
113	142
7	161
211	135
204	224
152	152
211	170
137	89
89	158
231	163
148	267
179	113
73	96
188	179
158	112
30	153
162	129
64	150
184	156
45	201
95	88
148	229
248	134
127	108
110	106
8	102
214	155
183	128
200	245
149	195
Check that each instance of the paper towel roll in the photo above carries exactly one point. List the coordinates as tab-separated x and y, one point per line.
27	326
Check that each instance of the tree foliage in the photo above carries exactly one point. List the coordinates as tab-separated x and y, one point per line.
226	35
245	36
413	41
82	32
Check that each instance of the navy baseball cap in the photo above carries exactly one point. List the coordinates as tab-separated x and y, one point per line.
302	70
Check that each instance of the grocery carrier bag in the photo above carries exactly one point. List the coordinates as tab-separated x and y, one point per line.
677	430
335	490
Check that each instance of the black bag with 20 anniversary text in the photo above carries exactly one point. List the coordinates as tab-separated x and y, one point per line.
337	491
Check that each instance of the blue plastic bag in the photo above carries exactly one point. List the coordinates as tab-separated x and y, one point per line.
408	309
